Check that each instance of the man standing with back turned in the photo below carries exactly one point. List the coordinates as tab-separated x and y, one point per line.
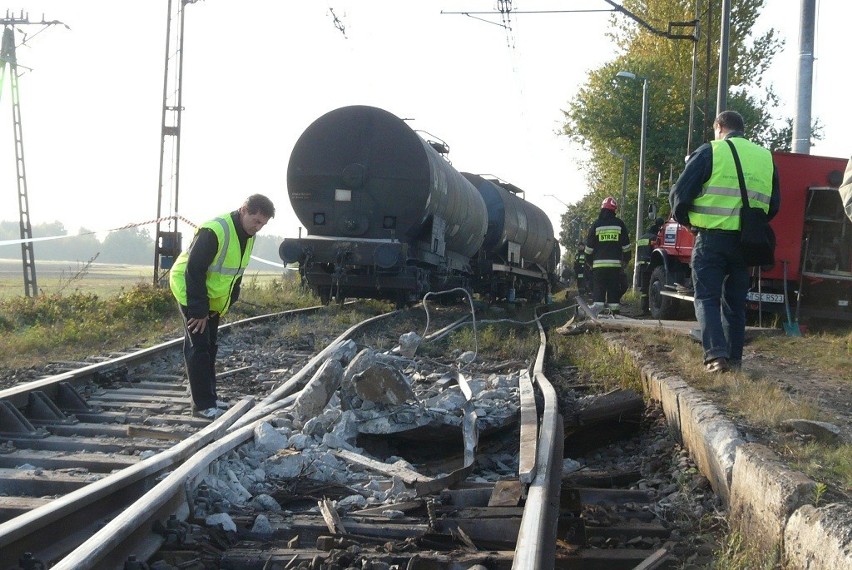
608	247
707	199
205	280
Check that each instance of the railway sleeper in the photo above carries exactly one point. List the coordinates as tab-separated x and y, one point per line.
249	558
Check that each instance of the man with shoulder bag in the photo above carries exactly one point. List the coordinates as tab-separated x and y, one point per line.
722	179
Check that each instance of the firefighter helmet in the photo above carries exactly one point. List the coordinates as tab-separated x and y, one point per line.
609	203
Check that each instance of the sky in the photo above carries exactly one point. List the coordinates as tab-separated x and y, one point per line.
258	72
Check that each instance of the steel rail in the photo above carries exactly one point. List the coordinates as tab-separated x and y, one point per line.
18	535
18	395
536	545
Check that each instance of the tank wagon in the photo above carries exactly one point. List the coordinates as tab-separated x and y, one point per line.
388	217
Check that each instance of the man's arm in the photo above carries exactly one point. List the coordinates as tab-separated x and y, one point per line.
690	182
202	251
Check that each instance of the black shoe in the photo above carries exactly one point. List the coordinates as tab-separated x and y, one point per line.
717	365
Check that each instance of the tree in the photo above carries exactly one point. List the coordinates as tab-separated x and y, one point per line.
605	115
133	246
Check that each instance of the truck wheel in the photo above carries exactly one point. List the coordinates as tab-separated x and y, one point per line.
662	306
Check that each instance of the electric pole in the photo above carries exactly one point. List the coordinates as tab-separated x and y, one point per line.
9	59
167	243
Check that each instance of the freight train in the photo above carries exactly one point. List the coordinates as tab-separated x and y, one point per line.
812	274
388	217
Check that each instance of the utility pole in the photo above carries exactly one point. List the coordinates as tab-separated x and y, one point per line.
167	243
9	59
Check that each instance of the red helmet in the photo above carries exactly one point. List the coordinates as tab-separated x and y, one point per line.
609	203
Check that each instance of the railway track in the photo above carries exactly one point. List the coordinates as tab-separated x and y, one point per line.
389	496
80	445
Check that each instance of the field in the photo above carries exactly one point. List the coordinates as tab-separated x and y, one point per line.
101	279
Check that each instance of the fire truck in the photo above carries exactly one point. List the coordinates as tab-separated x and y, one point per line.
812	274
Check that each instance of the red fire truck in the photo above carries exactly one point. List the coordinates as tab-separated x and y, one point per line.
812	275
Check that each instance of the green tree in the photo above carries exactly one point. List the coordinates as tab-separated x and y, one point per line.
605	116
133	246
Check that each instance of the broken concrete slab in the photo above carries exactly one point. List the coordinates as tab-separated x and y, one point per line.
318	391
821	537
822	431
383	384
764	493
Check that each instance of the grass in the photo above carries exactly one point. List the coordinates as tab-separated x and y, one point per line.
77	324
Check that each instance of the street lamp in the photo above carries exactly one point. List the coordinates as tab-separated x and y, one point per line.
579	225
557	199
623	157
641	197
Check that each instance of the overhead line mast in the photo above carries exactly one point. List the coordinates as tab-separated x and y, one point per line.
167	244
8	58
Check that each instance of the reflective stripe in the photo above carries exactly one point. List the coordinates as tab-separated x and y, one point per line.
218	265
599	263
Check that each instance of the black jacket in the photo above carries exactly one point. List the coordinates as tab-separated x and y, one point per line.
607	244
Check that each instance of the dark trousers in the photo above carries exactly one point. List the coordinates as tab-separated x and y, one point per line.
607	285
199	353
721	282
644	285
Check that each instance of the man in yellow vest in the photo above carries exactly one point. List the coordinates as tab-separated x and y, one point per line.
707	199
205	280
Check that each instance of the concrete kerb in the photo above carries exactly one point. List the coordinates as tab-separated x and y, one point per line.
769	504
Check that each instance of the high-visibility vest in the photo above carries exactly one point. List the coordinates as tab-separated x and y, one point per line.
719	203
228	265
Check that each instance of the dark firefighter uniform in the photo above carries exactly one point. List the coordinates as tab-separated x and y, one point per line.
580	270
644	246
608	247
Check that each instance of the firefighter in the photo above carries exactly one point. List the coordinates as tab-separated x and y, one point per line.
644	246
608	248
580	269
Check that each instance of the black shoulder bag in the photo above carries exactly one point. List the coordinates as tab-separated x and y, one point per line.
757	240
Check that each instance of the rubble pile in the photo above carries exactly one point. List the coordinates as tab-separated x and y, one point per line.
355	394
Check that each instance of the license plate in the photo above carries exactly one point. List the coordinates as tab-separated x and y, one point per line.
766	297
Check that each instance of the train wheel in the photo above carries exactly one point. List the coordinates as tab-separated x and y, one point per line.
662	306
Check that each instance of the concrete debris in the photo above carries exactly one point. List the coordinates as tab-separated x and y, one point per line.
262	526
383	384
822	431
408	344
467	357
268	438
318	391
221	519
357	394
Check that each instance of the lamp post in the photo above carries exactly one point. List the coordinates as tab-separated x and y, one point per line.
640	199
623	157
557	199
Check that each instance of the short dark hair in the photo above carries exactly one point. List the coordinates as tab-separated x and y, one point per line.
730	120
260	203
